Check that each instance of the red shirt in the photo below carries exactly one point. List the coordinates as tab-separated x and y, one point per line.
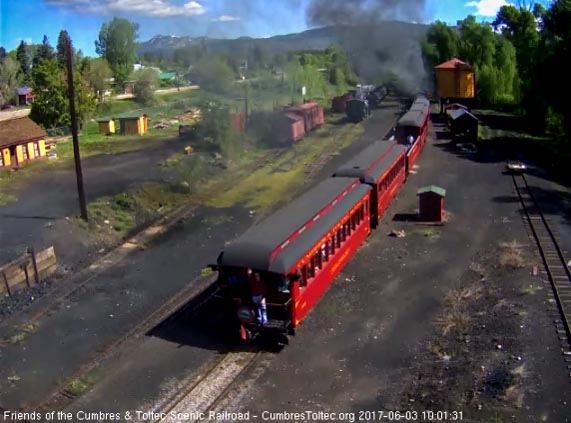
258	287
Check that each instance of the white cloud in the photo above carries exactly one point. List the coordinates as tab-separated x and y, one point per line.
225	18
486	7
156	8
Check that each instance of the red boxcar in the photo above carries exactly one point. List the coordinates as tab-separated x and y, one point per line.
382	166
312	114
339	103
297	252
296	126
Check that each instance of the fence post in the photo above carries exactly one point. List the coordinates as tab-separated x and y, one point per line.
25	268
7	284
36	276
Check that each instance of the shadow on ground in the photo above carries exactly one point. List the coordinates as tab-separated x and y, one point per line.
204	323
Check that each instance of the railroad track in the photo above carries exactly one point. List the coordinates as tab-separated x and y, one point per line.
196	293
203	396
553	260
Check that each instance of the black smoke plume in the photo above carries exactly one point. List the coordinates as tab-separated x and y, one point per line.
376	44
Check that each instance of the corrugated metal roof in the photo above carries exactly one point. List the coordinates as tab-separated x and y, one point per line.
458	113
23	90
16	131
130	115
255	247
432	188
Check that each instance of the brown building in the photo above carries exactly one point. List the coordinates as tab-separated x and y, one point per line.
132	123
431	203
21	140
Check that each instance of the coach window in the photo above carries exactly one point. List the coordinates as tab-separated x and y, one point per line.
311	269
303	280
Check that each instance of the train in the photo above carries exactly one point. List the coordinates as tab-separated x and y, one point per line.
365	98
270	277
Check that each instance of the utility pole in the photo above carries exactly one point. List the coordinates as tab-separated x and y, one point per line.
71	93
245	105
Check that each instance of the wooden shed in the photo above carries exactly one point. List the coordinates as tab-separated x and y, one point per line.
21	140
132	123
431	203
455	79
463	124
106	125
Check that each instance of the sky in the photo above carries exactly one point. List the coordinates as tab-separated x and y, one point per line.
29	20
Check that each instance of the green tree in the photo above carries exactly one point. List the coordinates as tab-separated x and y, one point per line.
118	44
9	70
146	82
61	48
441	44
50	107
51	104
23	57
98	75
44	52
213	74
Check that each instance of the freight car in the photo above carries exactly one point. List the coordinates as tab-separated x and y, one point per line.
311	113
271	276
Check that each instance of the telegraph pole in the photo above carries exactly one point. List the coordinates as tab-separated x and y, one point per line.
71	93
245	105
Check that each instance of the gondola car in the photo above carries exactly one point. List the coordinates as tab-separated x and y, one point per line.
297	252
382	166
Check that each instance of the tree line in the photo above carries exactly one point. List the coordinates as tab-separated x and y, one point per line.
518	58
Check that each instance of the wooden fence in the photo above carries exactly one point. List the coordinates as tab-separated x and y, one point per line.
27	270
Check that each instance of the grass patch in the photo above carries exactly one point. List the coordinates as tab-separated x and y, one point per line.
7	199
123	212
511	255
77	386
207	271
279	171
29	327
17	338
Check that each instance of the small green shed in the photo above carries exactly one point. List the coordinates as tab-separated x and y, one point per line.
431	203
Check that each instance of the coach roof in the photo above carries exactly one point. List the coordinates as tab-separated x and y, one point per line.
370	164
256	248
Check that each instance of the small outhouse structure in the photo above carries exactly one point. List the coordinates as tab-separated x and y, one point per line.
106	125
463	124
132	123
431	203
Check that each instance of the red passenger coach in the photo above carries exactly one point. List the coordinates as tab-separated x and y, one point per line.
382	166
414	122
296	253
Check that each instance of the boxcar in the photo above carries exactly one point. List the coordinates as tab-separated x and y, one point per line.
382	166
297	252
312	114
